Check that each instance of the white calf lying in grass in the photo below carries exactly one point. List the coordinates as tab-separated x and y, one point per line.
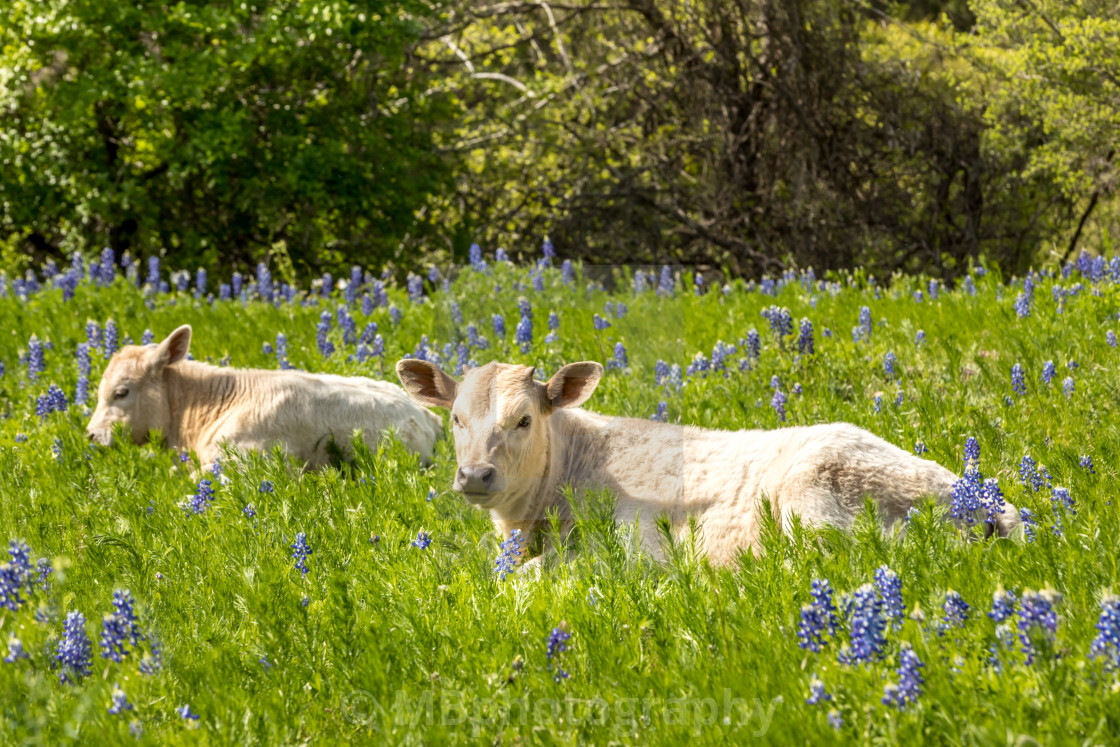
519	441
201	407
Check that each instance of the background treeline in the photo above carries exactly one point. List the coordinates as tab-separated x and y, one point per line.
749	135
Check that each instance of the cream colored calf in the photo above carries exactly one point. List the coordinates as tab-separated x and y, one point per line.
201	407
519	441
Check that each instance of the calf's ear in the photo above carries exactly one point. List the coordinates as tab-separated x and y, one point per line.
426	383
573	384
173	349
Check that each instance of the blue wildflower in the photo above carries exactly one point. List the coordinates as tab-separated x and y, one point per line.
599	322
119	701
805	338
1106	644
499	323
867	626
1038	621
620	360
567	271
817	692
202	498
556	645
890	363
282	351
35	365
662	413
778	402
264	282
1003	606
186	713
1110	338
865	322
754	344
889	585
73	650
920	448
920	338
415	288
1030	523
1022	305
15	650
250	510
300	552
509	552
666	284
423	539
910	681
1018	384
120	628
1067	386
108	268
1087	464
835	720
956	612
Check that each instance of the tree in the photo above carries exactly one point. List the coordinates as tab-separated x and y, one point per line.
212	129
1060	66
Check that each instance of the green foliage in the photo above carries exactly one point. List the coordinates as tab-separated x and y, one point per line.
211	130
665	652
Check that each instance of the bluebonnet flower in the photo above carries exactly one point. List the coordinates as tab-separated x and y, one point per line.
553	326
817	618
1087	464
865	322
778	402
1067	386
899	397
1048	372
475	254
567	272
524	332
109	343
964	497
153	272
1022	305
152	662
754	344
1038	621
200	283
186	713
95	272
620	360
1110	338
282	351
367	304
509	552
867	626
720	353
182	280
499	323
556	645
108	268
348	326
920	337
890	363
73	650
666	284
889	586
265	487
250	510
956	612
1072	365
1003	606
415	288
917	295
599	322
15	650
817	692
326	285
423	539
781	320
620	309
355	283
805	338
236	282
920	448
1018	385
910	681
326	346
662	413
549	252
971	452
1063	500
934	288
120	628
1030	523
300	552
56	449
1106	644
835	720
35	365
202	498
264	282
877	402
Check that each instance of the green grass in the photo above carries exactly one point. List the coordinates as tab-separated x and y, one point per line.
400	644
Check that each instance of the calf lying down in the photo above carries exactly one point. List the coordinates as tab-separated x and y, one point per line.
519	441
201	407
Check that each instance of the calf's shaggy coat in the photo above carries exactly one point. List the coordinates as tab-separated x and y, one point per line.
200	407
519	441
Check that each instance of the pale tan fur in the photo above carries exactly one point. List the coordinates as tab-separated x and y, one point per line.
821	473
201	407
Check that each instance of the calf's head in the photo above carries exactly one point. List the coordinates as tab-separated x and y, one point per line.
499	419
132	390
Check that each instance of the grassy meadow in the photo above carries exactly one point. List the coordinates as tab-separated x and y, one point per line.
386	640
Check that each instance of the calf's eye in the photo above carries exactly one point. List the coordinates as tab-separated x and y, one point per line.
524	422
120	394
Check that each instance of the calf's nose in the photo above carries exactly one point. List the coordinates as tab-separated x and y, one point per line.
474	478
